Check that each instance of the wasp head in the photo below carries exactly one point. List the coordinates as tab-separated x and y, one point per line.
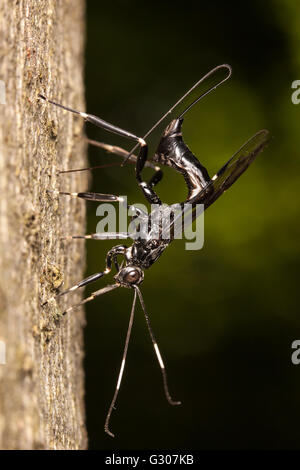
130	276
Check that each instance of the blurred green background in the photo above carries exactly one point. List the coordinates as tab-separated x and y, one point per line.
225	316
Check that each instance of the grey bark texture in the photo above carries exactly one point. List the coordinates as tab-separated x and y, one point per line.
42	382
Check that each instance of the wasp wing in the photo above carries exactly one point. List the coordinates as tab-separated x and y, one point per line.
221	181
233	169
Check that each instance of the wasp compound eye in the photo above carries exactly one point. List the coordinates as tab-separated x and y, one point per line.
132	276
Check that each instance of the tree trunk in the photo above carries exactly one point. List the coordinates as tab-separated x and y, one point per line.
42	382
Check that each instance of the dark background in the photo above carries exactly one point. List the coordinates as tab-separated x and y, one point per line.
225	316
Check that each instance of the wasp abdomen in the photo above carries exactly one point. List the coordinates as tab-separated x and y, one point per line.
172	151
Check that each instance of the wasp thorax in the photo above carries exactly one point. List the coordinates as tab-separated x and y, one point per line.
130	276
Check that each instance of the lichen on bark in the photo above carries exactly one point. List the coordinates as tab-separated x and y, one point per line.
42	382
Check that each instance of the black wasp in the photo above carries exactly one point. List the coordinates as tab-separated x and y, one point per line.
173	152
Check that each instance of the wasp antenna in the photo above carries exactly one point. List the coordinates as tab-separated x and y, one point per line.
157	352
112	405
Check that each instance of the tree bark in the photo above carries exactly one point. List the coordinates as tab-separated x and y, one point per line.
42	382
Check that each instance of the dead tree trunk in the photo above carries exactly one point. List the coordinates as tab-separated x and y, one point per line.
41	384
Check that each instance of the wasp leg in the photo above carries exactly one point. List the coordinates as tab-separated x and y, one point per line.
110	257
84	282
96	121
92	297
100	236
114	149
142	156
89	196
148	192
156	178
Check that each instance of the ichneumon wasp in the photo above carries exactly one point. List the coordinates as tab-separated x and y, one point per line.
173	152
